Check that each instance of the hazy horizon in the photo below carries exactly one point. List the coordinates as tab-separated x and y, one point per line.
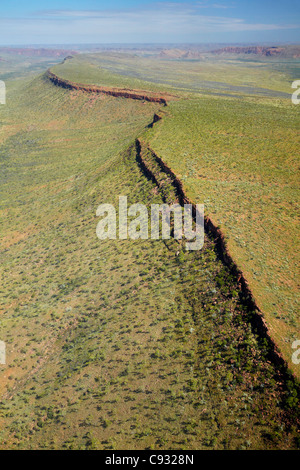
150	45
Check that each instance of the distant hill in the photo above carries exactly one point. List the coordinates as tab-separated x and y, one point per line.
287	51
41	52
263	51
180	54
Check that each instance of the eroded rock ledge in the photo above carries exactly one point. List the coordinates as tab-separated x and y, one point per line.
117	92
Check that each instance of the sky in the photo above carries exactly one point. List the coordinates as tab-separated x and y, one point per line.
142	21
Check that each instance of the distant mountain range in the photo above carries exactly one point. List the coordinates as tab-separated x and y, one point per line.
184	51
263	51
285	51
36	52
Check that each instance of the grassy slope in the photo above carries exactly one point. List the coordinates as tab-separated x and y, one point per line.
83	69
114	344
210	74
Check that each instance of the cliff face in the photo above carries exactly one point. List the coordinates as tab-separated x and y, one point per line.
117	92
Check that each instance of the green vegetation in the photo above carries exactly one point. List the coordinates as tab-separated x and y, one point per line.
121	344
89	69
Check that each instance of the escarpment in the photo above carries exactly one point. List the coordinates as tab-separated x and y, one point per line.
256	316
254	313
117	92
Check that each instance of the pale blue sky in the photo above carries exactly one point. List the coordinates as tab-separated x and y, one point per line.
143	21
